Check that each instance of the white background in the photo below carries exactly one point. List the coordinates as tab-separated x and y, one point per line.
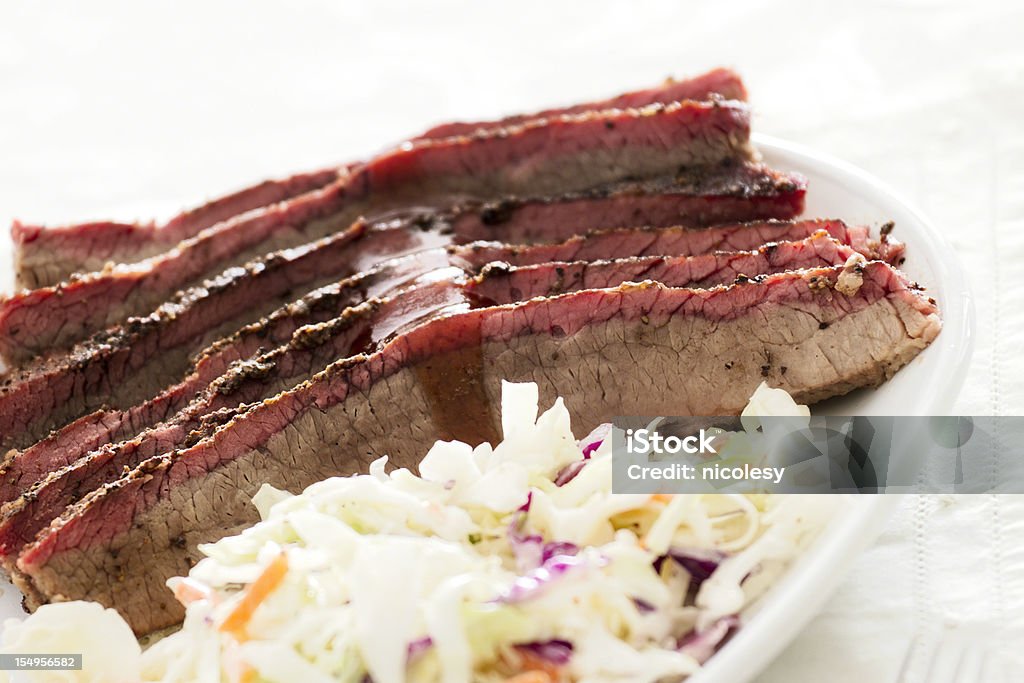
135	110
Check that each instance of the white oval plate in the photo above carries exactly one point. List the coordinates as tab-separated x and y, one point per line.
928	386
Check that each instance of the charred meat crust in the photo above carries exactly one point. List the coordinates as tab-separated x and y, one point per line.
722	83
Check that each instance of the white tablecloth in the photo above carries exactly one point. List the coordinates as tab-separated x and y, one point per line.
125	110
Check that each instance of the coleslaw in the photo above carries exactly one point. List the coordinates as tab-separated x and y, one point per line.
511	563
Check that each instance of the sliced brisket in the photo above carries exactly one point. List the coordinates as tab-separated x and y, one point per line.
48	255
694	197
133	362
156	349
686	242
20	470
548	157
642	349
723	83
359	330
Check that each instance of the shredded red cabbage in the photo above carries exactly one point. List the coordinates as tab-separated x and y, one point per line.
419	646
553	549
588	445
557	652
643	606
569	472
699	563
592	441
702	644
530	550
532	583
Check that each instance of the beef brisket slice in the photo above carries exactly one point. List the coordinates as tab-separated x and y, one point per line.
636	349
20	470
566	154
674	241
360	329
156	348
723	83
132	362
695	197
48	255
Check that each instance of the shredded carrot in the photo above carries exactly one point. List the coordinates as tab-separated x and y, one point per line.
189	590
263	586
533	668
248	674
662	497
536	664
531	677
